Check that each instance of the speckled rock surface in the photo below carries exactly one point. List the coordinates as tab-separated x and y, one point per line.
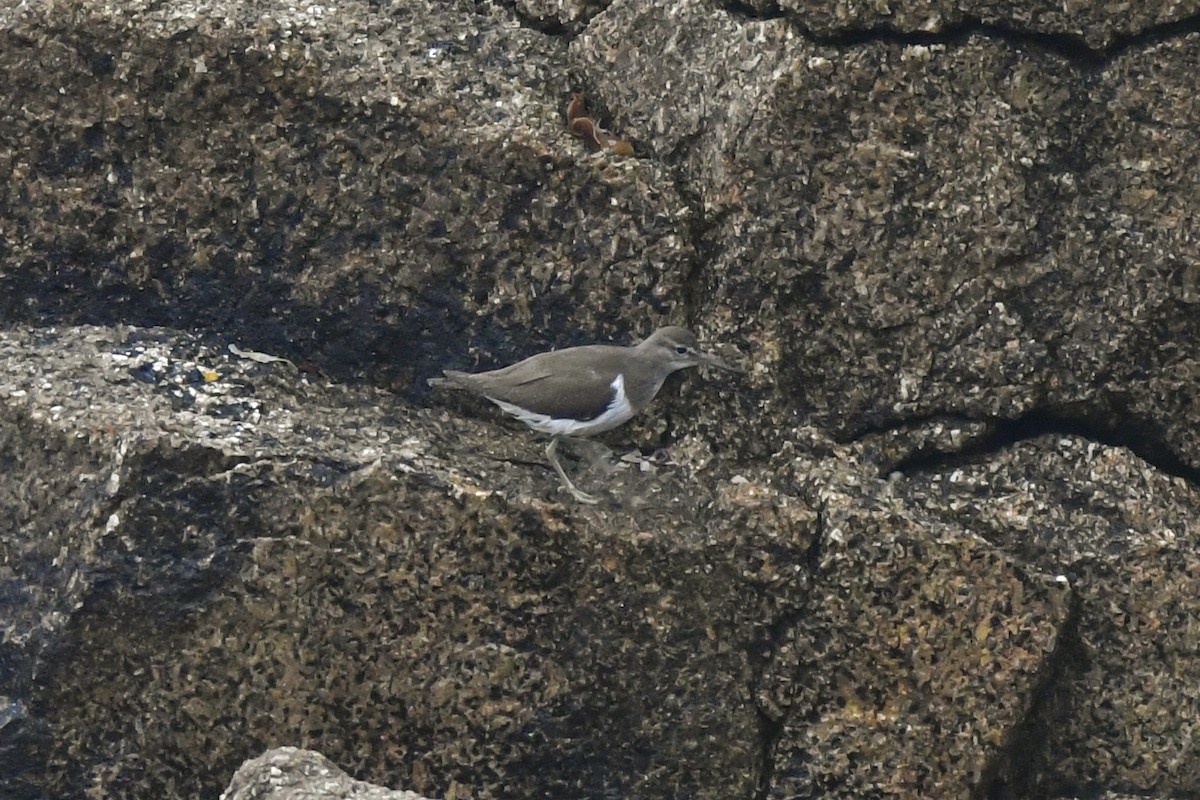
289	773
1129	537
559	15
397	173
1094	24
343	576
894	242
936	543
237	571
914	633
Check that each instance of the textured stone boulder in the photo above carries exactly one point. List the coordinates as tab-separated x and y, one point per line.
246	574
288	773
895	240
1127	536
937	542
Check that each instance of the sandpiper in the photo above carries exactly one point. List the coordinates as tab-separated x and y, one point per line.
582	391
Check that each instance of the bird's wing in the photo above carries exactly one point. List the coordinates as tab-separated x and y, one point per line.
550	385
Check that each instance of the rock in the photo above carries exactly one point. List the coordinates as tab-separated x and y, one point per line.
289	773
887	234
249	576
937	542
326	181
1087	28
1126	535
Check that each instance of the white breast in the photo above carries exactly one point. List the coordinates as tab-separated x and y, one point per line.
617	412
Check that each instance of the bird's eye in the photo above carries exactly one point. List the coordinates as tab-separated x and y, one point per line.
681	349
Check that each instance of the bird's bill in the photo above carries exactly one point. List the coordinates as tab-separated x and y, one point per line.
713	361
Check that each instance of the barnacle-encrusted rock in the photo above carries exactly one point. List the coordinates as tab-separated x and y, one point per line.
1077	24
896	241
289	773
246	572
937	543
353	184
943	641
263	557
1122	714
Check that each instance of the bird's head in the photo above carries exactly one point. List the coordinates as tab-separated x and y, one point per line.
678	348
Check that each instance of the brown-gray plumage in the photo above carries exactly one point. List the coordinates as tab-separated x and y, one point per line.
581	391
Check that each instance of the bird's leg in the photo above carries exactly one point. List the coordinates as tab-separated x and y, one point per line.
552	455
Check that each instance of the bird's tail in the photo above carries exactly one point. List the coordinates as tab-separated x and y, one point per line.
451	377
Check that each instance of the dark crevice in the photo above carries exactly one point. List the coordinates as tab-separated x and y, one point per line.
704	253
1020	767
518	462
1070	46
741	8
1140	437
550	25
705	249
770	730
771	726
814	554
772	723
880	425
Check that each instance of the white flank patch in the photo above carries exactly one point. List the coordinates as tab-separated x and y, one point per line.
617	412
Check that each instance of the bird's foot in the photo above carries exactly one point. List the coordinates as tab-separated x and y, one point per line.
552	455
581	495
